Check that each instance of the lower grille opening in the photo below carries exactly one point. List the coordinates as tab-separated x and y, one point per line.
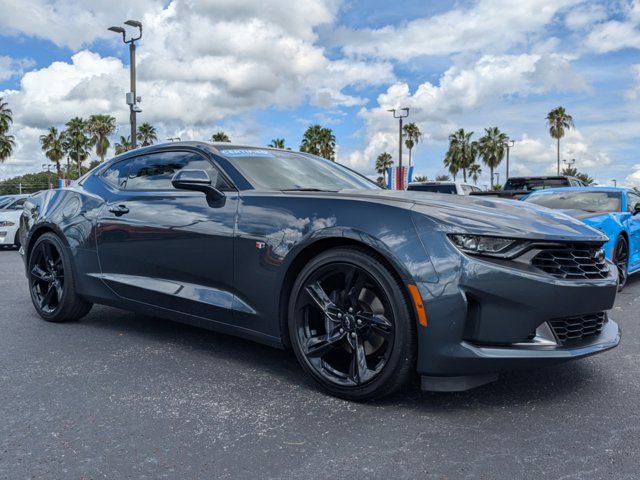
584	327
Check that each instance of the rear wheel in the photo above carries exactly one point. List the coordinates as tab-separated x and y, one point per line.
51	282
351	326
621	260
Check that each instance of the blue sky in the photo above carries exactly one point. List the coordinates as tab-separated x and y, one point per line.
261	70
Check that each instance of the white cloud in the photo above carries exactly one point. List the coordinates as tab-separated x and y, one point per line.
633	179
634	92
12	67
200	61
69	23
462	90
486	26
614	35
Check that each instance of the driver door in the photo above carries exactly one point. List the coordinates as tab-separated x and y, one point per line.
167	247
633	225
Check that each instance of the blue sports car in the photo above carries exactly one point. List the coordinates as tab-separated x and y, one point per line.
612	210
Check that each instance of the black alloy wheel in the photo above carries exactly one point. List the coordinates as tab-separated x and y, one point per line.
51	282
621	259
350	325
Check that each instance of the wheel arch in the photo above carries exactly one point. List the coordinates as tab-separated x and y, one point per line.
40	230
314	248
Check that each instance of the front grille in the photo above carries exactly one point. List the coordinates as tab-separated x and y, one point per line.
578	328
573	263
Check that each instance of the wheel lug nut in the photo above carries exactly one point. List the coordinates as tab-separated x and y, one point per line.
359	322
339	315
353	334
350	309
341	330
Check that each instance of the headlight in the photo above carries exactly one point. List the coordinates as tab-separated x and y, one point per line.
488	246
6	223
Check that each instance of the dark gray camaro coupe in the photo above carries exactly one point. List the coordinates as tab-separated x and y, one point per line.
366	286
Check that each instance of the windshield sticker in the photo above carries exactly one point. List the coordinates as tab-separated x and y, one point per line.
237	152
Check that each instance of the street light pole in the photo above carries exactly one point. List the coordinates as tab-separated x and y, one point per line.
48	168
132	98
497	174
615	182
569	164
509	144
400	116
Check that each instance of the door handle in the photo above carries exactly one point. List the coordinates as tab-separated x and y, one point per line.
118	210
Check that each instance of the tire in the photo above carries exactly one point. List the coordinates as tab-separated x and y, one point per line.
51	282
16	241
351	325
621	260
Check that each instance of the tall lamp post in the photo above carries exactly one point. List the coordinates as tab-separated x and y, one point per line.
400	116
509	144
47	167
497	175
132	99
569	164
615	182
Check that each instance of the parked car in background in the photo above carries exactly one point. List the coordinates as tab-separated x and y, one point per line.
455	188
367	286
613	210
10	211
517	187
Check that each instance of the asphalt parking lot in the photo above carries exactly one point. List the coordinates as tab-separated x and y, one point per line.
119	395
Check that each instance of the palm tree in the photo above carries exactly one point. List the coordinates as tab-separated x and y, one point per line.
76	144
101	127
320	141
558	121
383	162
462	152
492	148
123	145
220	137
475	171
569	171
451	163
7	142
6	116
443	178
53	147
413	136
147	134
277	143
420	178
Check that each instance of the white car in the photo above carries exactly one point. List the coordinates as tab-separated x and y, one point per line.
454	188
10	221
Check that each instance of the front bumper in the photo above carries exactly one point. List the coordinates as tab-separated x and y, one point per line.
480	321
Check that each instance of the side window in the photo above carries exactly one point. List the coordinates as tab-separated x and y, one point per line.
632	201
466	190
155	171
17	205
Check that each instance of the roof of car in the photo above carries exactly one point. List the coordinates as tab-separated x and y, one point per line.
582	189
438	182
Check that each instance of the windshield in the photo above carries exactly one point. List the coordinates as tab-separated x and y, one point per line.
434	188
276	170
597	202
532	184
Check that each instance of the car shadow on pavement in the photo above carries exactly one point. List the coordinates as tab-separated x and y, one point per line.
514	388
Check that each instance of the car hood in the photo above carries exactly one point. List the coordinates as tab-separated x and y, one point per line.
489	216
12	215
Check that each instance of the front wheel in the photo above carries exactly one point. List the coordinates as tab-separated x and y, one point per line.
621	260
351	325
51	282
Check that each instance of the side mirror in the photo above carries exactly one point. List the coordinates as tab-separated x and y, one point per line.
199	181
